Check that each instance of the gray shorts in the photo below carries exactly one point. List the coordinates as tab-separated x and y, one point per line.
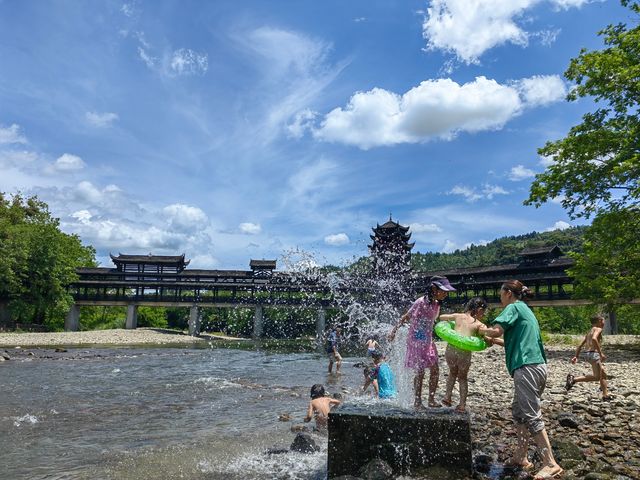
529	382
591	357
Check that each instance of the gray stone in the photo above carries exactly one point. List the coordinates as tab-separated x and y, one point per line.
408	441
303	443
568	420
376	469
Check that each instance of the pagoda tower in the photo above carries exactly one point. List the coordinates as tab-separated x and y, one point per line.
391	250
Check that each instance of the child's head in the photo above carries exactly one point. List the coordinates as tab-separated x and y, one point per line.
317	391
597	321
475	305
377	356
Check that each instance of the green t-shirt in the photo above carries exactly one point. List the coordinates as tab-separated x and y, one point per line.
522	339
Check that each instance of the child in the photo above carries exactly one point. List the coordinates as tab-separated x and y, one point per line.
372	345
422	353
593	354
381	377
333	340
319	406
459	361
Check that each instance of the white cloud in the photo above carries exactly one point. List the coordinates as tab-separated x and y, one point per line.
83	216
541	90
434	109
520	172
337	239
11	134
472	194
424	227
68	163
17	158
449	246
546	161
559	225
547	37
185	218
469	28
101	119
185	61
302	121
148	59
249	228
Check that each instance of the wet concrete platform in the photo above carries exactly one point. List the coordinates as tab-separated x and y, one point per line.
411	443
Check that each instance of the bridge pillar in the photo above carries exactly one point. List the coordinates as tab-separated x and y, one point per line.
132	317
72	322
258	322
610	323
321	323
194	321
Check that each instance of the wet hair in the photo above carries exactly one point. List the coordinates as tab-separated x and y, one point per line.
520	291
597	318
317	391
475	304
377	355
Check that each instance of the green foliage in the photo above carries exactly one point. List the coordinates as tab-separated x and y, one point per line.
502	251
37	261
152	317
574	320
102	317
596	166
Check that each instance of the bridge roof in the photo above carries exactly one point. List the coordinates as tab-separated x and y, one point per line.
150	258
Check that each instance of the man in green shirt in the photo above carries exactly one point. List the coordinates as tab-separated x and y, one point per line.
527	364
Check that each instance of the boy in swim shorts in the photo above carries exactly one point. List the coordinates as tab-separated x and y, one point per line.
592	353
458	360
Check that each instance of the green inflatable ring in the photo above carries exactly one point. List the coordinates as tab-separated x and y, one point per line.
445	330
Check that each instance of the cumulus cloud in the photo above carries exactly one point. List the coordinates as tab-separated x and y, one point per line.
249	228
185	61
337	239
424	227
185	218
468	29
434	109
302	121
67	163
541	89
471	194
11	134
559	225
101	119
519	172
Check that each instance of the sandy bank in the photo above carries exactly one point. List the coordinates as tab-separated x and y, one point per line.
139	336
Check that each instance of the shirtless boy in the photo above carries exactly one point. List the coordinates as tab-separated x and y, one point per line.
459	361
319	406
592	353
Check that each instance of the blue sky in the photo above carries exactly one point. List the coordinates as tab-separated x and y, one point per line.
287	129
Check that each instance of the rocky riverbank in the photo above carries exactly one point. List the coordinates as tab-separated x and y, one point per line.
592	439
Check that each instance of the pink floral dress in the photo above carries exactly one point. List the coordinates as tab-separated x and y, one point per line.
421	349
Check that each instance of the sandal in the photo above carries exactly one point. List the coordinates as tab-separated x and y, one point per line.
571	381
554	472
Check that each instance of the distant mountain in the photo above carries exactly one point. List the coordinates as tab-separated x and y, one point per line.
500	251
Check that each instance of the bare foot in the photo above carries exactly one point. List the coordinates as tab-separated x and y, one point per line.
460	408
433	404
446	402
549	472
419	407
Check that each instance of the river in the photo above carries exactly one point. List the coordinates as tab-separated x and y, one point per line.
160	413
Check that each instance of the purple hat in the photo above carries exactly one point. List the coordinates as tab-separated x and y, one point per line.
442	283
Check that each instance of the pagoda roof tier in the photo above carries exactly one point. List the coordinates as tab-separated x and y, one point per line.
390	236
262	264
391	225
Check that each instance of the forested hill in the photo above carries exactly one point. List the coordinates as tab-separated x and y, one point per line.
500	251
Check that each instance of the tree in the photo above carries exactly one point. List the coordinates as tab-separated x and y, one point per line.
595	169
597	165
37	261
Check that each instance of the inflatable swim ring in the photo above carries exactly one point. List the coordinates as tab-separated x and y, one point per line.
445	330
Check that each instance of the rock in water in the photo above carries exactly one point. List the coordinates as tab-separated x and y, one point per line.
376	469
568	420
303	443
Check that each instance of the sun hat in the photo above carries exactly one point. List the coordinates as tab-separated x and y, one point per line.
442	283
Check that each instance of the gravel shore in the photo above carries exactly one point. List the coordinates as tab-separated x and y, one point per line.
140	336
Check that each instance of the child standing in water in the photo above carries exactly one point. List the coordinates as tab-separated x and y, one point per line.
381	377
421	349
592	353
372	345
319	406
459	361
333	341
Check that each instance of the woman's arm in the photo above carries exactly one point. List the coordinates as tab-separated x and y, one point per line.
404	319
495	331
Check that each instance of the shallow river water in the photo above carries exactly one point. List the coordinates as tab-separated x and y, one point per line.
155	413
